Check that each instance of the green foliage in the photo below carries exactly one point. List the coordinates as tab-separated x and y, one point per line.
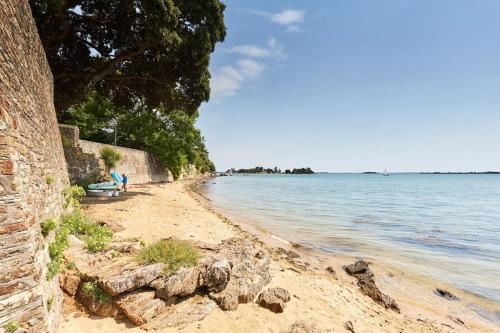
49	180
50	302
47	226
11	326
110	156
174	254
171	136
96	237
87	180
91	289
76	223
155	51
70	265
72	196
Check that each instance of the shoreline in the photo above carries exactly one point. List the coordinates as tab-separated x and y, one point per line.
486	308
156	211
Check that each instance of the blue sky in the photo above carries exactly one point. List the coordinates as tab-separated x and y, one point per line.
356	86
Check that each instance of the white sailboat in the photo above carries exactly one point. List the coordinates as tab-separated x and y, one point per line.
386	173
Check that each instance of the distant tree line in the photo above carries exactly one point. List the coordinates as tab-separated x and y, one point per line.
272	171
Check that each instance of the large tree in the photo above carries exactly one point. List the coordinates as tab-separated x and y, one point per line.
155	52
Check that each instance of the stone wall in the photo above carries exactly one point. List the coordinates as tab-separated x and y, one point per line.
83	159
32	172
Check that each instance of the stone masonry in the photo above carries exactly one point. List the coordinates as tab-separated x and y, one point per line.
32	172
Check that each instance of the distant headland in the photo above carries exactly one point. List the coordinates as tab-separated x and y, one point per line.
462	173
275	170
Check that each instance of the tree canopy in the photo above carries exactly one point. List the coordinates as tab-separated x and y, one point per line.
153	52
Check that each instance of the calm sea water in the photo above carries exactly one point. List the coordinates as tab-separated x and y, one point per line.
445	226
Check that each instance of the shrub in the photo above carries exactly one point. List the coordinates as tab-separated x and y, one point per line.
110	156
72	196
87	180
70	265
91	289
96	238
11	326
47	226
174	254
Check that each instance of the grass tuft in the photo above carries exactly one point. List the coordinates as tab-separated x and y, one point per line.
11	327
173	253
91	289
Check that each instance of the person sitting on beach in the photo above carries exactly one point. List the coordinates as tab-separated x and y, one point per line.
125	181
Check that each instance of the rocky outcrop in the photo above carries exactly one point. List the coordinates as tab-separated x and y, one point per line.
446	294
231	273
274	299
366	282
69	283
249	273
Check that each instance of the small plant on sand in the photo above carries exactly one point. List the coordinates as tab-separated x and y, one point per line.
174	254
50	302
49	180
91	289
72	196
47	226
11	327
110	156
70	265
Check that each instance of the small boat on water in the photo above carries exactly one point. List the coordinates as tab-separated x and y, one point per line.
386	173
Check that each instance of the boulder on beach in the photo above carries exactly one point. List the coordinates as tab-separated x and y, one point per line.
301	327
274	299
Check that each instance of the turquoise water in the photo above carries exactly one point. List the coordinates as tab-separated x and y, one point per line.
444	226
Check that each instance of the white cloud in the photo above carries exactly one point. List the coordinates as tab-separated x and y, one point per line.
272	50
288	17
229	79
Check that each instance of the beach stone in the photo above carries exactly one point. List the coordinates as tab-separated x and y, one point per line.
183	283
69	283
301	327
274	299
446	294
366	282
349	326
126	247
288	253
330	270
249	272
216	277
141	306
359	267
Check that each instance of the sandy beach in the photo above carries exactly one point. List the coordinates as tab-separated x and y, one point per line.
154	212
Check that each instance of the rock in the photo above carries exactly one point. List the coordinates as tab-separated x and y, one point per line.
348	326
366	281
129	277
217	275
249	272
457	320
330	270
183	283
108	309
359	267
141	306
301	327
115	275
446	294
371	290
288	253
274	299
69	283
190	310
115	227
